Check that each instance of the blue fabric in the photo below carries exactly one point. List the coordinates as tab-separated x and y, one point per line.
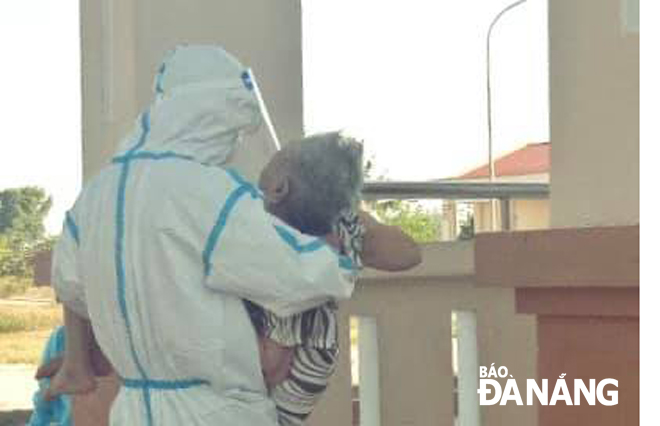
119	258
240	180
159	79
345	262
292	241
247	81
162	384
72	227
58	411
144	382
145	122
121	280
244	187
220	224
149	155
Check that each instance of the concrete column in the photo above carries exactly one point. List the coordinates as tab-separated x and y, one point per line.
416	378
594	110
108	78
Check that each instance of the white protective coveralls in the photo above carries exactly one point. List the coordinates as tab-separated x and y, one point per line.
163	243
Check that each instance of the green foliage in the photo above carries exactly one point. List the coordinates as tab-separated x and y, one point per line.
22	214
45	244
421	225
13	257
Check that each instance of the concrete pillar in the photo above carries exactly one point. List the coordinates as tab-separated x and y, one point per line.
582	285
594	111
124	41
416	380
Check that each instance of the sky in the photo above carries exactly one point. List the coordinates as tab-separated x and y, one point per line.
40	139
408	78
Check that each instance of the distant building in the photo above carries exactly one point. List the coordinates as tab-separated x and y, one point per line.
530	163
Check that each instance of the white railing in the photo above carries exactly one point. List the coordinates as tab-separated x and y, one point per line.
455	190
504	192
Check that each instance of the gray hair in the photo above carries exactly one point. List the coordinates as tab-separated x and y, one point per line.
326	179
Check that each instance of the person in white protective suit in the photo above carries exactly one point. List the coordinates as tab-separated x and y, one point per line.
161	246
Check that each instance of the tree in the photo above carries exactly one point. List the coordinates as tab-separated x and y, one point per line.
22	214
423	226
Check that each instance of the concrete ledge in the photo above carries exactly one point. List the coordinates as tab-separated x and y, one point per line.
440	261
579	302
572	257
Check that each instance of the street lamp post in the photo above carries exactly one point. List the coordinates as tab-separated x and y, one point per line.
491	163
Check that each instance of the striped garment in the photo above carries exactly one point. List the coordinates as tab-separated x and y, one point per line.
313	334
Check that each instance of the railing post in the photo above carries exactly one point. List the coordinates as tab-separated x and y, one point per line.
505	213
468	366
369	372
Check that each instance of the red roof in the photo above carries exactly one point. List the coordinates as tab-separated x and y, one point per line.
531	159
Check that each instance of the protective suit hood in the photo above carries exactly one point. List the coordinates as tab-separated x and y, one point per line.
205	101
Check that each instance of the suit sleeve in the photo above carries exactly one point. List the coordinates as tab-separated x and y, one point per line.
65	274
253	255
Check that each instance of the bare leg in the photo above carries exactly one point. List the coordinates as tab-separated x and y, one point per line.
275	361
76	374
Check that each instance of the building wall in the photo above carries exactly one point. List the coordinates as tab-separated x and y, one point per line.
594	110
483	219
525	215
123	42
530	214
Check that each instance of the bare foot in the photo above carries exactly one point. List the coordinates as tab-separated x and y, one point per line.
70	381
50	368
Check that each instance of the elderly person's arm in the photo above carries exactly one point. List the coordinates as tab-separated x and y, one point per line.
387	247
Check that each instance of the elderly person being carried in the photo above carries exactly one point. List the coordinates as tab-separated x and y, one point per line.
162	249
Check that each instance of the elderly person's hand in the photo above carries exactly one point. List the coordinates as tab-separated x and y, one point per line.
384	247
276	361
387	247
